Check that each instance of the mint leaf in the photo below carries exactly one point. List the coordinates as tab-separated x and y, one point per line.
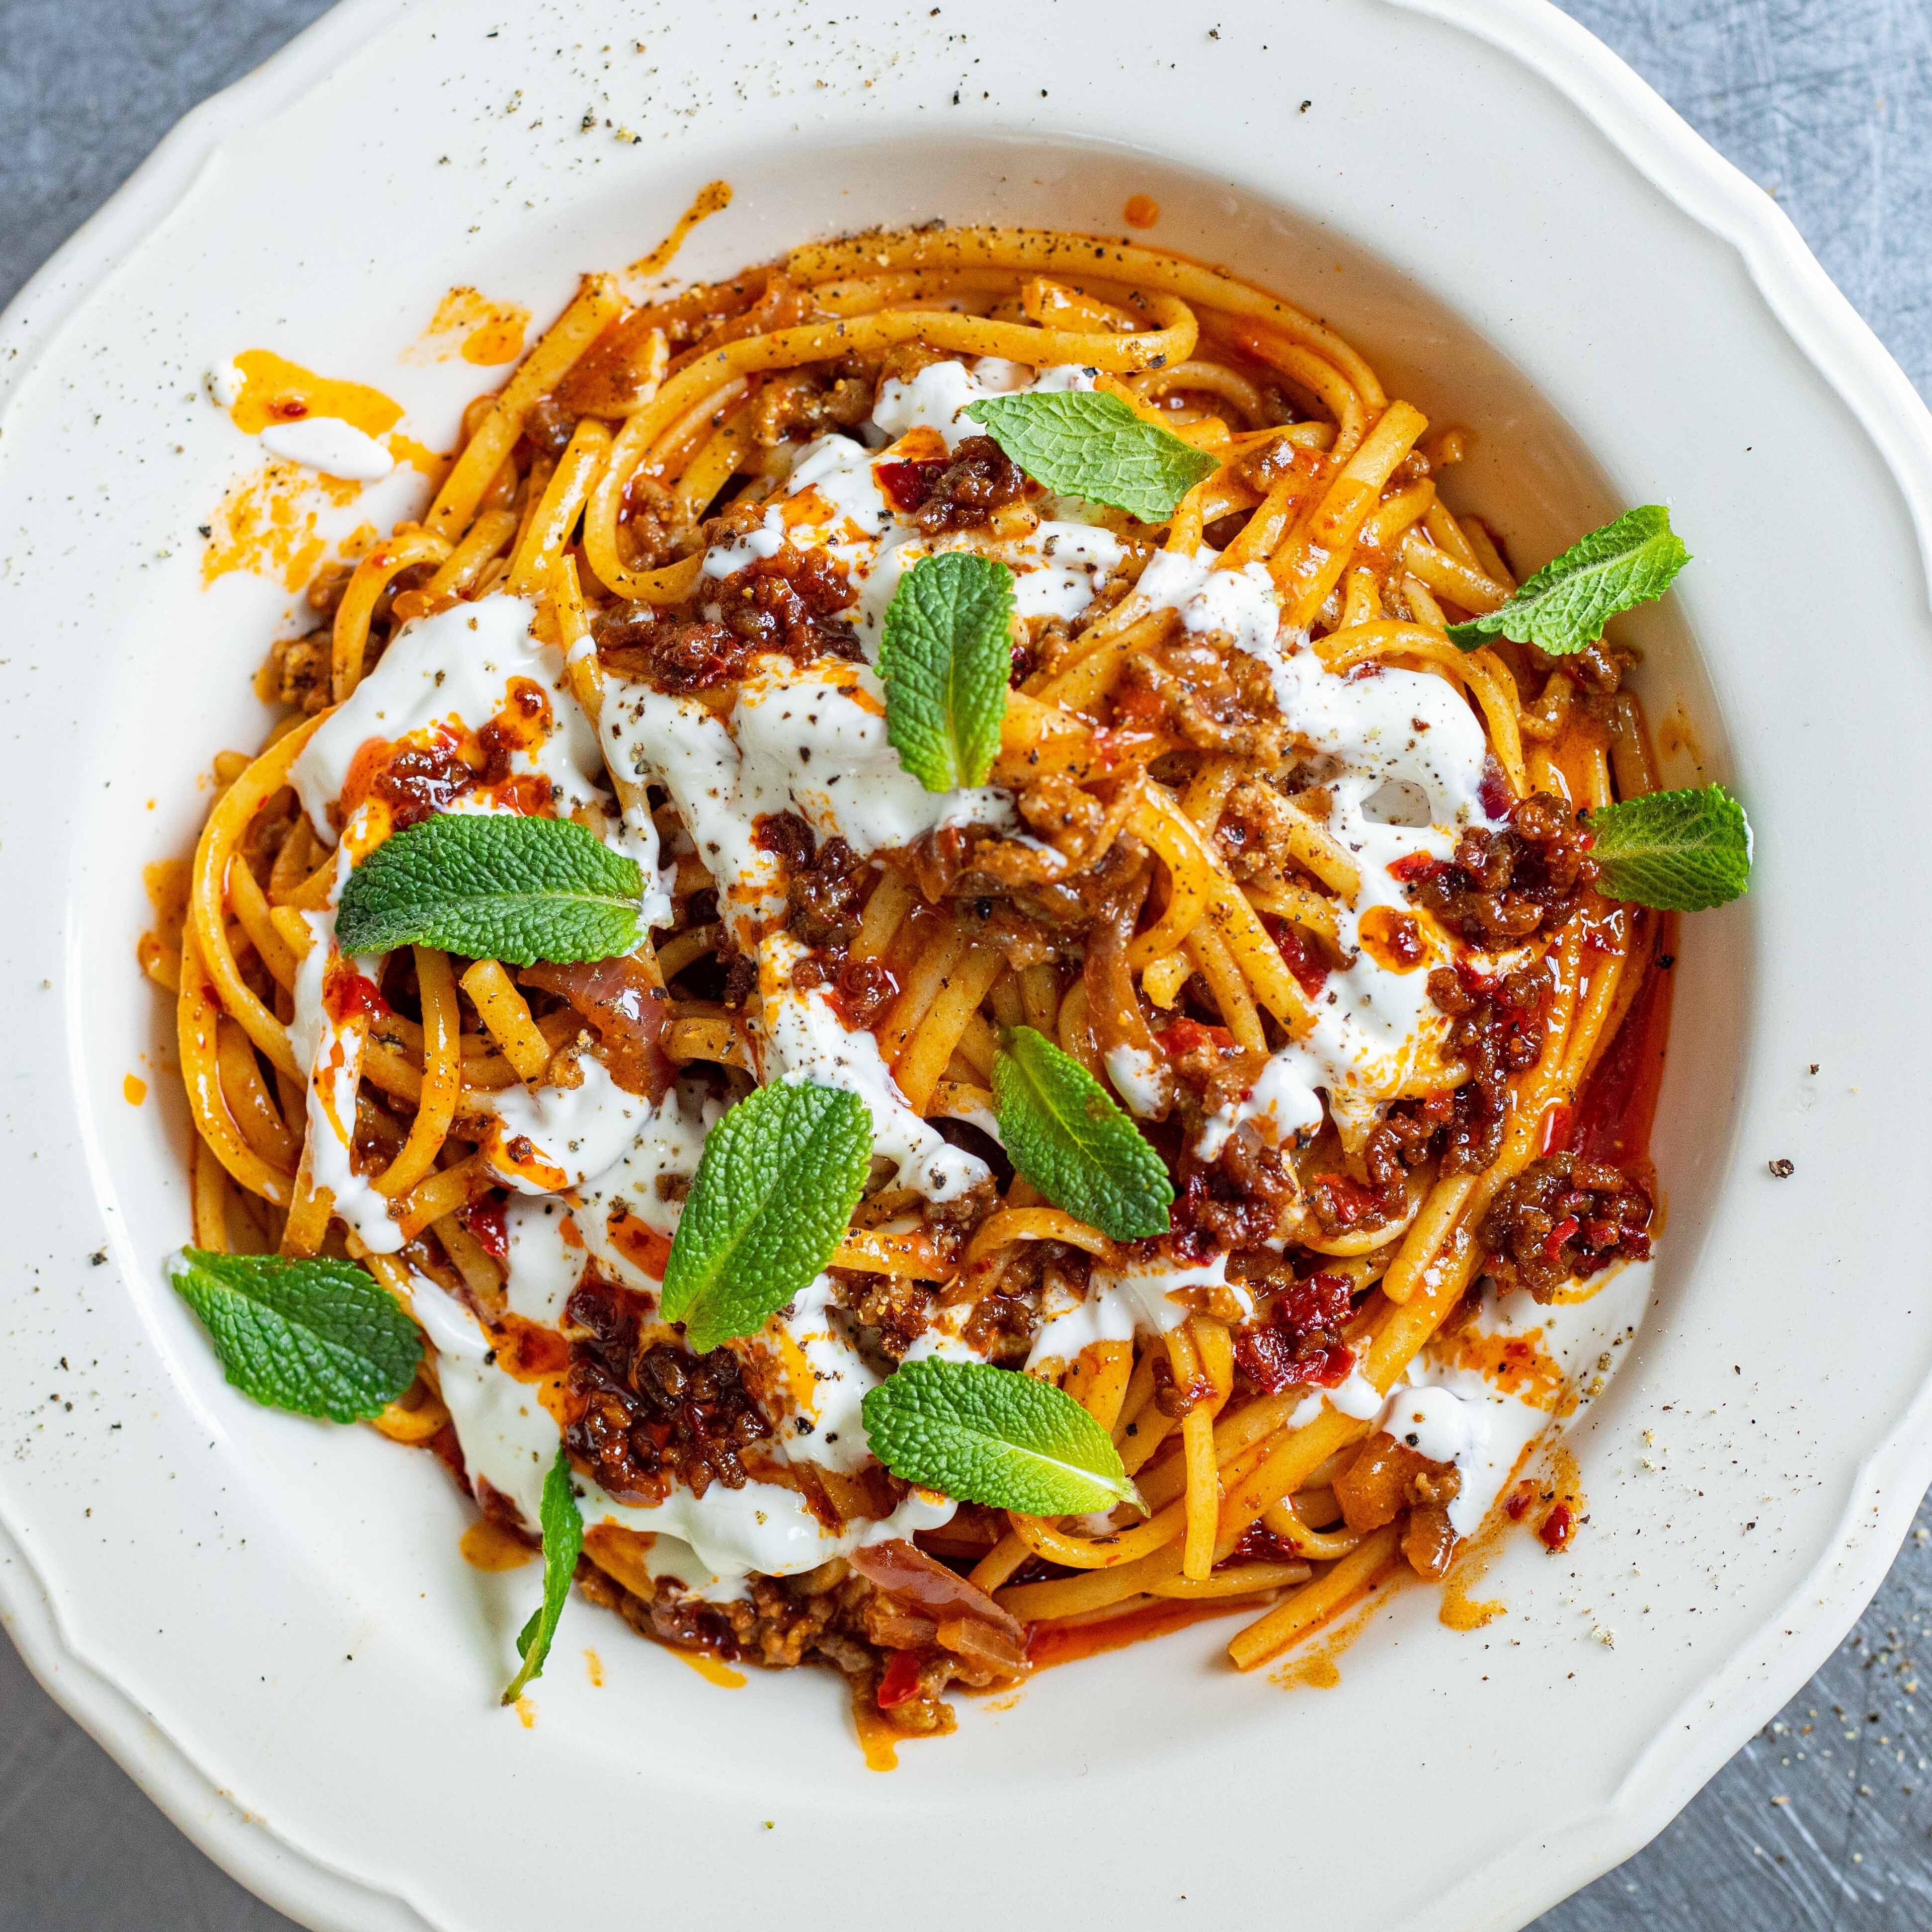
316	1337
772	1197
1564	606
1681	851
1085	442
494	886
983	1434
1064	1131
562	1544
947	655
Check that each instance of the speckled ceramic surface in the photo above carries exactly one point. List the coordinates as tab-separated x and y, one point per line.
268	1622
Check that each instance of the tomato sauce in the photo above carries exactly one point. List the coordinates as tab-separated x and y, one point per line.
1051	1643
1613	1115
906	486
347	995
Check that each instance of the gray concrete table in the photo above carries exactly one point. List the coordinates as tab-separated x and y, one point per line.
1823	1823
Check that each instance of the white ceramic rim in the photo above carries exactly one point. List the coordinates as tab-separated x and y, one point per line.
1789	1645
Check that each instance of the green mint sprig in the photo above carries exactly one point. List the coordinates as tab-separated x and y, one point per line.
1085	442
563	1544
1680	851
316	1337
1564	607
494	886
946	657
983	1434
771	1199
1064	1132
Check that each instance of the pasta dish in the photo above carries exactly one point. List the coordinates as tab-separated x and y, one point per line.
938	972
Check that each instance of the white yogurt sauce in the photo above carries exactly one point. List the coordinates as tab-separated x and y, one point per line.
328	444
1412	754
1138	1077
551	1238
831	502
454	670
1117	1306
1242	604
938	397
803	1038
814	741
333	1056
1457	1416
573	1131
509	1439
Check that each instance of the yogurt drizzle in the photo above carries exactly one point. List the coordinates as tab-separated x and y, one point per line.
1408	756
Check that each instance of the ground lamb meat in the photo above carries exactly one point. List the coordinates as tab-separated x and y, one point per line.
1407	1138
1244	1197
825	885
1496	1029
643	1419
1504	885
301	668
795	408
860	990
787	602
962	493
829	1615
1208	693
1562	1218
655	646
549	426
896	1308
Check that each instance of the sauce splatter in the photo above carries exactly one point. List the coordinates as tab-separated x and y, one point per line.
133	1089
712	199
526	1713
166	880
1613	1115
877	1739
274	390
1049	1644
488	1546
713	1669
267	525
1519	1365
593	1667
1142	211
467	323
1317	1666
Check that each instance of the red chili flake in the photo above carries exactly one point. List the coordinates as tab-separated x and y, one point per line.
485	1220
1185	1036
1275	1358
900	1684
1494	792
1520	1497
1304	960
1262	1546
908	485
1556	1122
346	994
1557	1527
1414	865
1402	941
1552	1242
1347	1201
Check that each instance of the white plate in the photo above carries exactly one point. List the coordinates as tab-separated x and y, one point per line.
267	1621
